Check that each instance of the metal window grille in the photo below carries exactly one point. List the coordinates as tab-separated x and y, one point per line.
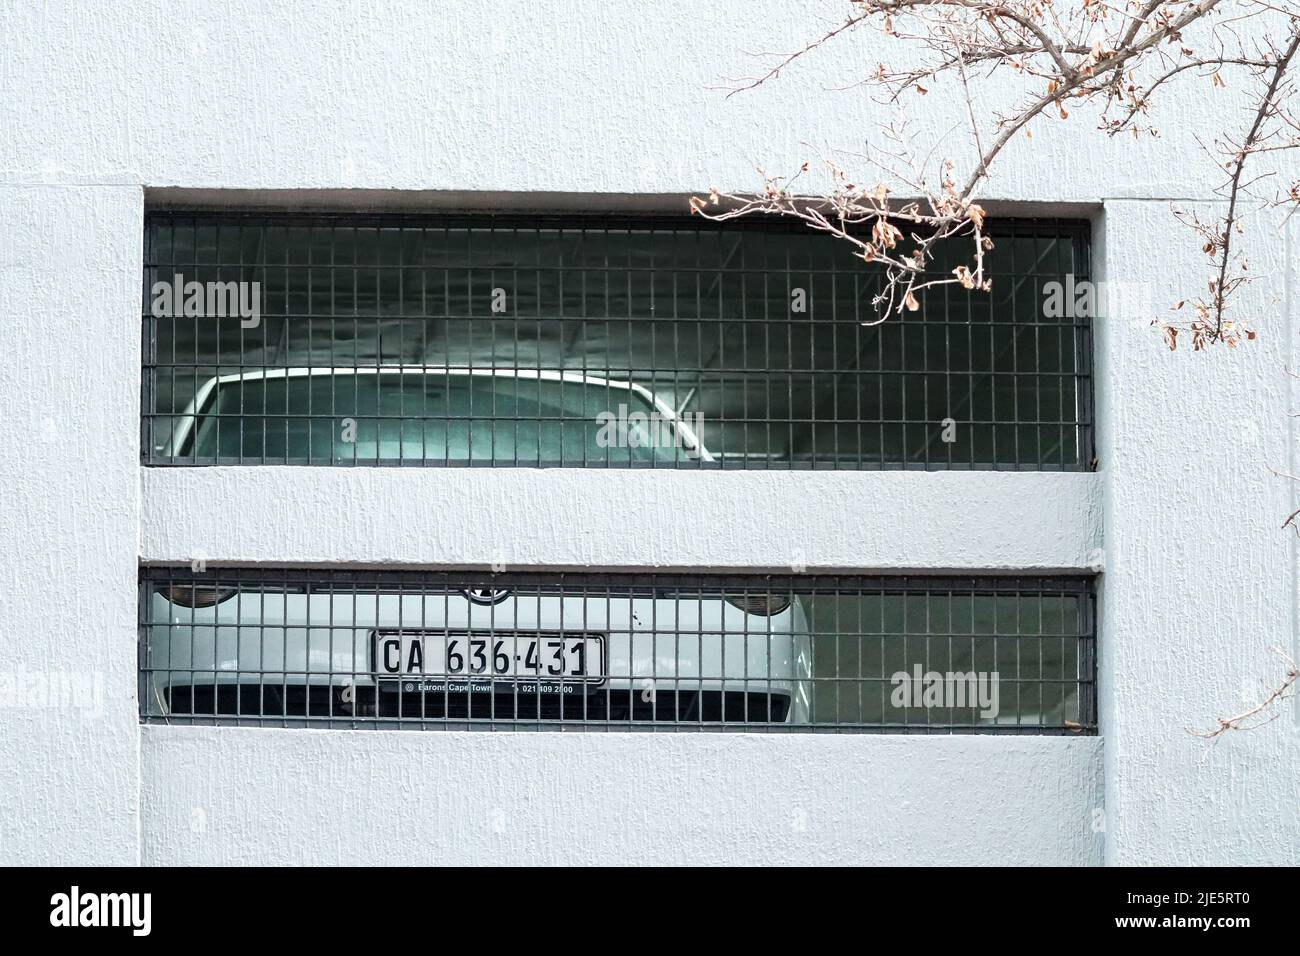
597	341
428	650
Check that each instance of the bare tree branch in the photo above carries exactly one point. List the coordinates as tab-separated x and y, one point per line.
1247	720
1116	57
1221	288
1115	54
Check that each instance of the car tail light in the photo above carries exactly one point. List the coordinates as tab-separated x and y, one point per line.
762	604
195	595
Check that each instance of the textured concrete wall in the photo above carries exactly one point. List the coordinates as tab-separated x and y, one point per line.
230	796
69	524
566	95
1200	582
592	97
762	520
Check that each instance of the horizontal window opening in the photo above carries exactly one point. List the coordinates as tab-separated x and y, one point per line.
600	341
429	650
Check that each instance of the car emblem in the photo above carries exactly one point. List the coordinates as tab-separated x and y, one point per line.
487	595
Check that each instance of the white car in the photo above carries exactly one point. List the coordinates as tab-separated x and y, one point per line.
485	650
497	647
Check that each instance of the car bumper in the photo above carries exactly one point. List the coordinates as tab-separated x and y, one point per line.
259	654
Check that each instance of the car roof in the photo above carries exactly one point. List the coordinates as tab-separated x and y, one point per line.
549	375
191	413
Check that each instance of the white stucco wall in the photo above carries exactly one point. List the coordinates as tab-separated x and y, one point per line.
238	796
571	518
69	526
1200	582
105	101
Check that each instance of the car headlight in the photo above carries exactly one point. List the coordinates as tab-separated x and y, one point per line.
764	605
195	595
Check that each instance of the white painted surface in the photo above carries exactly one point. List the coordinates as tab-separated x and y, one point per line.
567	95
1200	581
591	97
238	796
623	518
69	316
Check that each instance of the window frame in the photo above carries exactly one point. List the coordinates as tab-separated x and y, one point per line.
1076	231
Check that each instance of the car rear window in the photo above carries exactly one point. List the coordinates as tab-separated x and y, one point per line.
412	416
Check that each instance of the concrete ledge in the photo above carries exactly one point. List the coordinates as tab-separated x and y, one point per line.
623	519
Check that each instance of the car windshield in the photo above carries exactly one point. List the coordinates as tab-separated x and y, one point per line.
431	417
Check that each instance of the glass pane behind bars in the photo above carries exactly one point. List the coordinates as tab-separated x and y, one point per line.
436	649
586	341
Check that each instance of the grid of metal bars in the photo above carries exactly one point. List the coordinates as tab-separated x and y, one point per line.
598	341
429	650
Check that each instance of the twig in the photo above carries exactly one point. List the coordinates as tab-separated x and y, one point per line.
1239	722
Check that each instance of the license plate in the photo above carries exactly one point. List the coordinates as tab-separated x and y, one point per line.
423	661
